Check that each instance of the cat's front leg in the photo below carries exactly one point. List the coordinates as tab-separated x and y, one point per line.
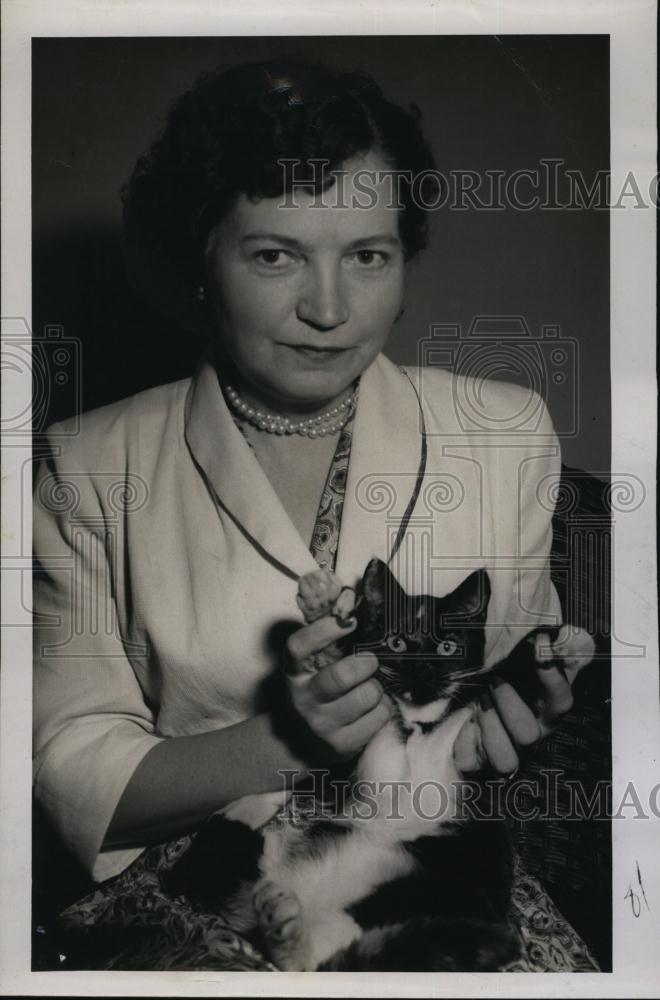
434	776
384	759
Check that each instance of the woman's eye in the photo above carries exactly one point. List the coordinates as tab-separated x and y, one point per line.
447	647
396	644
371	259
275	259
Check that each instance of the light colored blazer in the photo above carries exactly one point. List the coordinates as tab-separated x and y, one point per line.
167	559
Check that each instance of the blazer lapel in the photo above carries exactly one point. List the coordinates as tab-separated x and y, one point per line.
383	469
382	472
236	478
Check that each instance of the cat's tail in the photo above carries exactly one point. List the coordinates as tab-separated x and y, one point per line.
429	944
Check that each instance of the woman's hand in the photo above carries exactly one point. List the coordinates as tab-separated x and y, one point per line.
342	703
504	724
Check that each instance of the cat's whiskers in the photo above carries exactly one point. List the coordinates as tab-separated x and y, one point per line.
459	674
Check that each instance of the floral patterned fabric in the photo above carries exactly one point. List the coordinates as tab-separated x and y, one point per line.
548	942
133	923
325	537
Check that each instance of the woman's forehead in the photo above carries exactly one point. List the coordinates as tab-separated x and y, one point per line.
359	206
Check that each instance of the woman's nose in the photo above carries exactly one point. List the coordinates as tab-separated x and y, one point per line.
323	302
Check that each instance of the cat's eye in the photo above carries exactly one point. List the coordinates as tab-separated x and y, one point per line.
447	647
396	644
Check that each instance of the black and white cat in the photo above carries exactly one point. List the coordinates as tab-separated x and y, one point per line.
400	884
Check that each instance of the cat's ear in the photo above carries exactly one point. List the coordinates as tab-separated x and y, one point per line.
379	586
471	597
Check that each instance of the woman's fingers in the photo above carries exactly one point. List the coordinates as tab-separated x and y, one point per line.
353	737
497	745
506	722
311	639
338	678
557	698
503	723
519	721
342	703
468	749
353	705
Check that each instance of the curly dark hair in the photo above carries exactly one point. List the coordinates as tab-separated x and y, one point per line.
229	135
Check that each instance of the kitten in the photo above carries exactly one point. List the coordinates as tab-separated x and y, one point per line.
386	884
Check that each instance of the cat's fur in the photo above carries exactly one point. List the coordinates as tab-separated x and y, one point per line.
413	891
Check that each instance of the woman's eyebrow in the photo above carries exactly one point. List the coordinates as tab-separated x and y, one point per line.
287	241
294	244
367	241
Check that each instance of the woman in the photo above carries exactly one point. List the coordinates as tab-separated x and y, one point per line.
163	611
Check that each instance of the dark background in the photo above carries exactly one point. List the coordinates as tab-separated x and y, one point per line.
488	103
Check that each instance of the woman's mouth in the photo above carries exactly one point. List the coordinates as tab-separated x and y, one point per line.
316	353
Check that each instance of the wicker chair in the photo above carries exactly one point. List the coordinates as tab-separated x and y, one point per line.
573	857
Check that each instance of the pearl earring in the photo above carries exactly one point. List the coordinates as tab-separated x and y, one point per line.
200	293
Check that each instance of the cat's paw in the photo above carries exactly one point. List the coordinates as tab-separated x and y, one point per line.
317	593
574	648
279	916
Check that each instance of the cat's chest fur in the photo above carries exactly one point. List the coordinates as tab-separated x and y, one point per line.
411	778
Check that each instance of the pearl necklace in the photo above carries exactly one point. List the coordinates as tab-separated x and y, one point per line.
326	423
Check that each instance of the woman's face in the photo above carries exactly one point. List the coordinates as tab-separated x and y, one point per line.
305	294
